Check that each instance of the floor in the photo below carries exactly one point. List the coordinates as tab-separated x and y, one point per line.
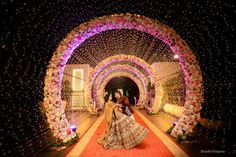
206	144
156	143
161	122
83	121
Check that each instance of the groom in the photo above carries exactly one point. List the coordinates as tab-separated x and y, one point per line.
124	101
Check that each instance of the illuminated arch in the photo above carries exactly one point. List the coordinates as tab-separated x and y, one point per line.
193	78
118	74
121	68
125	58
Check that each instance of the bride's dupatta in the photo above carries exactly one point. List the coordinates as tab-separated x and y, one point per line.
109	107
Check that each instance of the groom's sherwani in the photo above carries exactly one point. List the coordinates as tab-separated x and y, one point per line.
124	101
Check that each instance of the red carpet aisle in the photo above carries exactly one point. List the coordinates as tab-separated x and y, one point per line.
151	146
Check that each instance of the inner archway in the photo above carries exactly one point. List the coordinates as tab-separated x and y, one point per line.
103	69
140	82
128	86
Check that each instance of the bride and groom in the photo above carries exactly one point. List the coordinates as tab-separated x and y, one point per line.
122	131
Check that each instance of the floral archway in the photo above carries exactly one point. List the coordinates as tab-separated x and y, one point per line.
101	88
193	78
121	70
104	66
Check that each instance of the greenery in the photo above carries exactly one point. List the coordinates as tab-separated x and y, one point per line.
169	130
59	143
181	138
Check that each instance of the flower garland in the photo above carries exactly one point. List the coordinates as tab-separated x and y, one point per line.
193	78
124	58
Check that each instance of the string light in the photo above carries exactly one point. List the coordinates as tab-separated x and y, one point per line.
32	31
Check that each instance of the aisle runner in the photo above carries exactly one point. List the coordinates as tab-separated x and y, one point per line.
150	146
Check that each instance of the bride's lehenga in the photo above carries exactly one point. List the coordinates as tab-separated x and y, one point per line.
122	131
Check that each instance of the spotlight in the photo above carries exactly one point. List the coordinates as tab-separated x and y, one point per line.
73	128
174	123
176	56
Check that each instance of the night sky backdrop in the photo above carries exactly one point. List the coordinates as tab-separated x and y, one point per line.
31	31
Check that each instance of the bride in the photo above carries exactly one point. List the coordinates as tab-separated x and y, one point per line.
122	132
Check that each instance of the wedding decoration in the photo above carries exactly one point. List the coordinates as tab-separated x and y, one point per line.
193	78
174	110
119	68
128	58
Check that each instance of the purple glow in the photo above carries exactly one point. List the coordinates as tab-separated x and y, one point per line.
123	68
114	59
175	123
73	128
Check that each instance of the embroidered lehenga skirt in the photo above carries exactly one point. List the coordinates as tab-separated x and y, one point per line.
123	133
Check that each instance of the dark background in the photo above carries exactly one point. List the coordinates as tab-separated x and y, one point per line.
130	88
31	31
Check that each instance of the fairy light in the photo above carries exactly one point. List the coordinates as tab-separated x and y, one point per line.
31	33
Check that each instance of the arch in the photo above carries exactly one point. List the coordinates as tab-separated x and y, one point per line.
117	74
127	58
193	78
119	69
128	68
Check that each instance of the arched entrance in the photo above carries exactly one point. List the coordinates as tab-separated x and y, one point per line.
138	82
193	78
129	87
101	71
